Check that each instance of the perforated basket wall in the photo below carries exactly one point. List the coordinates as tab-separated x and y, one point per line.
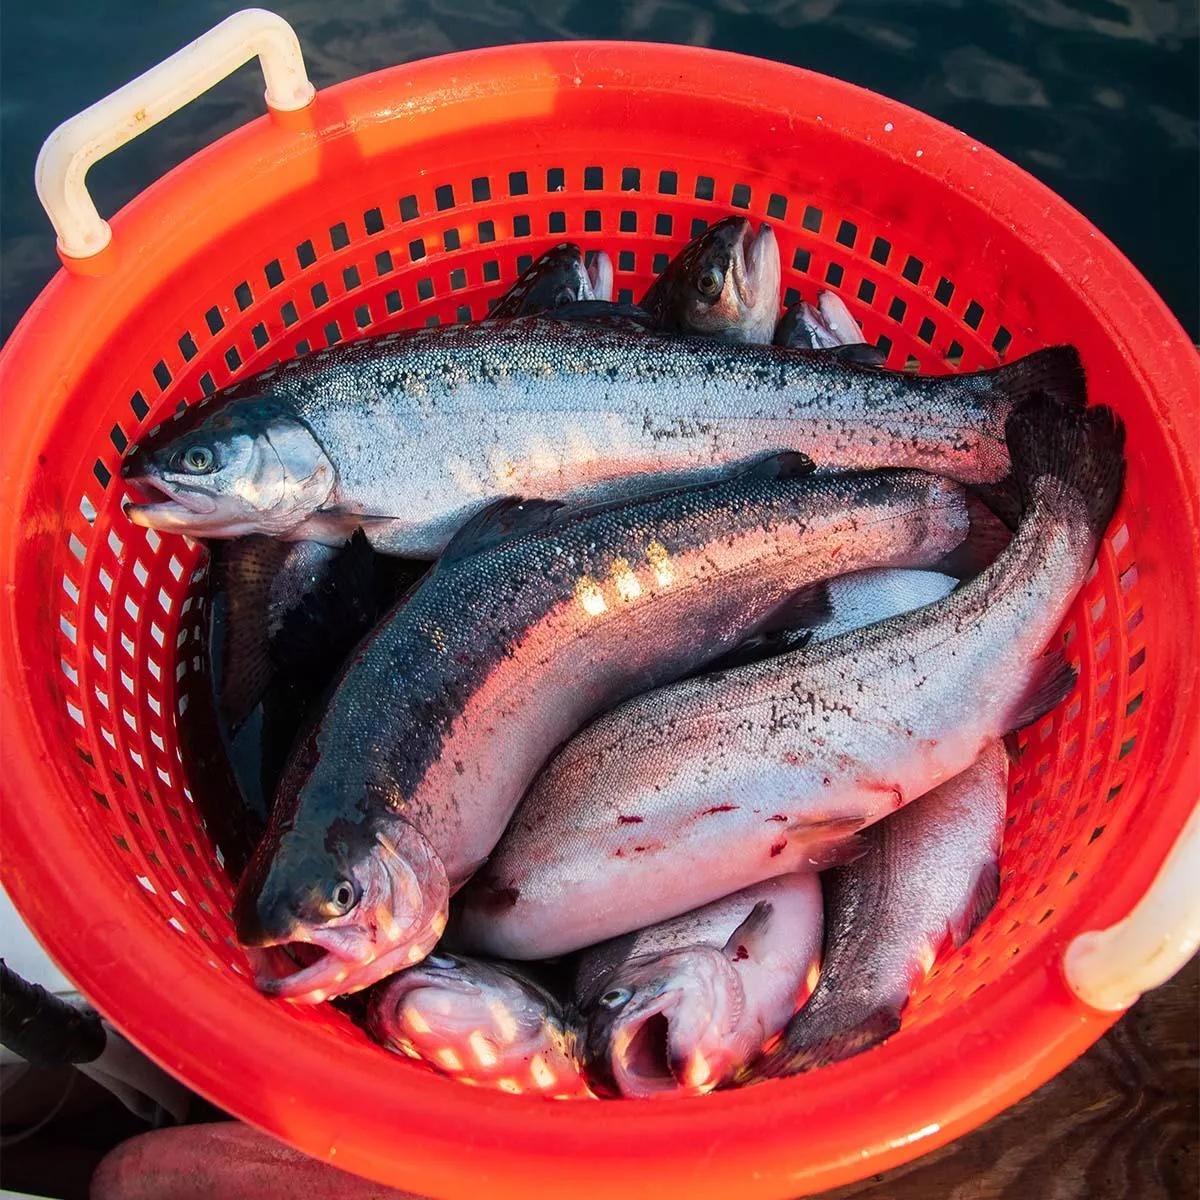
412	198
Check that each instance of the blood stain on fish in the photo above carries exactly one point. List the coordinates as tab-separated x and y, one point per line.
741	953
629	820
778	848
719	808
777	817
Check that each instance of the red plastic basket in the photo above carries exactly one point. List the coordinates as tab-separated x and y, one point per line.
413	196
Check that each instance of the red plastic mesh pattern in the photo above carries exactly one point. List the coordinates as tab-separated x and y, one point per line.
129	616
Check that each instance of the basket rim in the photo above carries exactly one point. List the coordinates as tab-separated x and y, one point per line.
863	1118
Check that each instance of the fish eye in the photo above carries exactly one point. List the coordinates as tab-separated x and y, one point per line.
442	962
198	459
711	282
615	997
342	898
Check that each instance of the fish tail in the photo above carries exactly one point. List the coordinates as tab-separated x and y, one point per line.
1081	449
1056	371
814	1040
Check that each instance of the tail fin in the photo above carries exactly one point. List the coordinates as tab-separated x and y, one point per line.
807	1044
1083	449
1056	370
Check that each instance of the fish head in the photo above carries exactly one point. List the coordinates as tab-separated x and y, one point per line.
559	277
247	466
664	1023
361	903
477	1020
725	283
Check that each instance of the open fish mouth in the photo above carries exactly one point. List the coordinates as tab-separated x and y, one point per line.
641	1058
752	260
166	507
330	972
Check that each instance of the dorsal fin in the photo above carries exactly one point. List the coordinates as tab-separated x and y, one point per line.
501	519
746	940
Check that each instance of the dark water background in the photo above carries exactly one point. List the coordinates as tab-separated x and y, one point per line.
1098	98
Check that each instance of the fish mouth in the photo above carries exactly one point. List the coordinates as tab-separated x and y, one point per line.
756	266
333	971
600	276
642	1061
167	506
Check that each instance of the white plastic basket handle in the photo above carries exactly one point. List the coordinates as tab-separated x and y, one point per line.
1108	969
68	153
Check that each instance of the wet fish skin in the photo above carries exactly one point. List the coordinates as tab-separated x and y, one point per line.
928	877
574	410
532	622
556	278
724	283
487	1023
678	1007
776	765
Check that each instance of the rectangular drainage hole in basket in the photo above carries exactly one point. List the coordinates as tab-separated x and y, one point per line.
243	295
214	320
557	222
458	279
1002	340
884	344
274	273
897	309
362	316
668	183
625	296
790	297
187	347
306	254
521	226
373	220
383	262
451	240
1134	704
350	278
881	250
834	274
518	183
462	314
333	334
593	179
259	334
974	314
740	196
320	295
138	405
392	302
339	236
777	206
491	271
659	263
102	473
631	179
954	355
487	231
289	314
944	291
926	330
663	224
699	225
591	220
812	219
481	189
628	222
524	262
866	291
233	359
802	259
706	187
625	260
409	211
416	249
1127	747
847	233
425	288
913	267
162	374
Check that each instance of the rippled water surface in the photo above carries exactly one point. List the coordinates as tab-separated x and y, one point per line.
1098	98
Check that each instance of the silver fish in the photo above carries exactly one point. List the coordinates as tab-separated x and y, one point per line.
410	434
930	874
558	277
483	1023
723	283
681	1005
775	766
533	621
